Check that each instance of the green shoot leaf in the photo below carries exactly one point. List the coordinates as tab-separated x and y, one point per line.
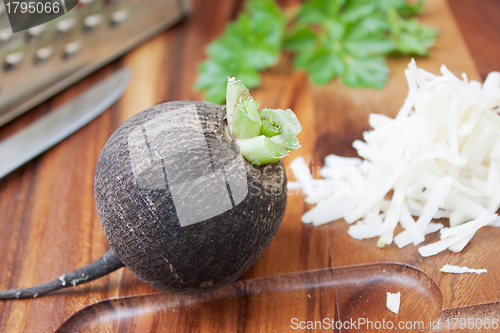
287	141
261	150
264	136
285	120
235	92
247	122
268	129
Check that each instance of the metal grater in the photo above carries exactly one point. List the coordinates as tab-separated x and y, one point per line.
41	61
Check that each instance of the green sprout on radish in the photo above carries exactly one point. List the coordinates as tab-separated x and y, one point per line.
263	136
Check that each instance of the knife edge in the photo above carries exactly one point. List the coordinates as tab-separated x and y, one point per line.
57	125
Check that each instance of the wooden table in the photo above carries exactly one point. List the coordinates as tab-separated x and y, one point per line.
48	220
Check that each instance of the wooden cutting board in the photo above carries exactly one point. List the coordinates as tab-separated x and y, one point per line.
333	117
48	220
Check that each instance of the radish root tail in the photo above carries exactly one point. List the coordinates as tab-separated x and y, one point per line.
106	264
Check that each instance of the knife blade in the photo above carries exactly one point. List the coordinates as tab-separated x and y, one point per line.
57	125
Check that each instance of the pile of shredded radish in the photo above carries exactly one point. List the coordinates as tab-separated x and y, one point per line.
439	158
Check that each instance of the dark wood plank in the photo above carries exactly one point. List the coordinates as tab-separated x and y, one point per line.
479	24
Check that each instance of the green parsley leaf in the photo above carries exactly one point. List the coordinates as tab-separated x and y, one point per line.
321	65
409	10
375	24
300	38
212	78
350	38
253	42
317	11
368	37
410	37
356	10
329	38
365	72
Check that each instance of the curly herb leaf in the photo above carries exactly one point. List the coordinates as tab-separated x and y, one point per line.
249	44
365	72
410	37
348	39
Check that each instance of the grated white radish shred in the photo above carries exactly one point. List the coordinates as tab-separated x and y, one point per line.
393	301
440	156
459	270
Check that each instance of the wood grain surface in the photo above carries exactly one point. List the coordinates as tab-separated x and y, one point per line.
343	294
48	220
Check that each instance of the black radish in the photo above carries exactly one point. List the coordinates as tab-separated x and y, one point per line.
189	194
